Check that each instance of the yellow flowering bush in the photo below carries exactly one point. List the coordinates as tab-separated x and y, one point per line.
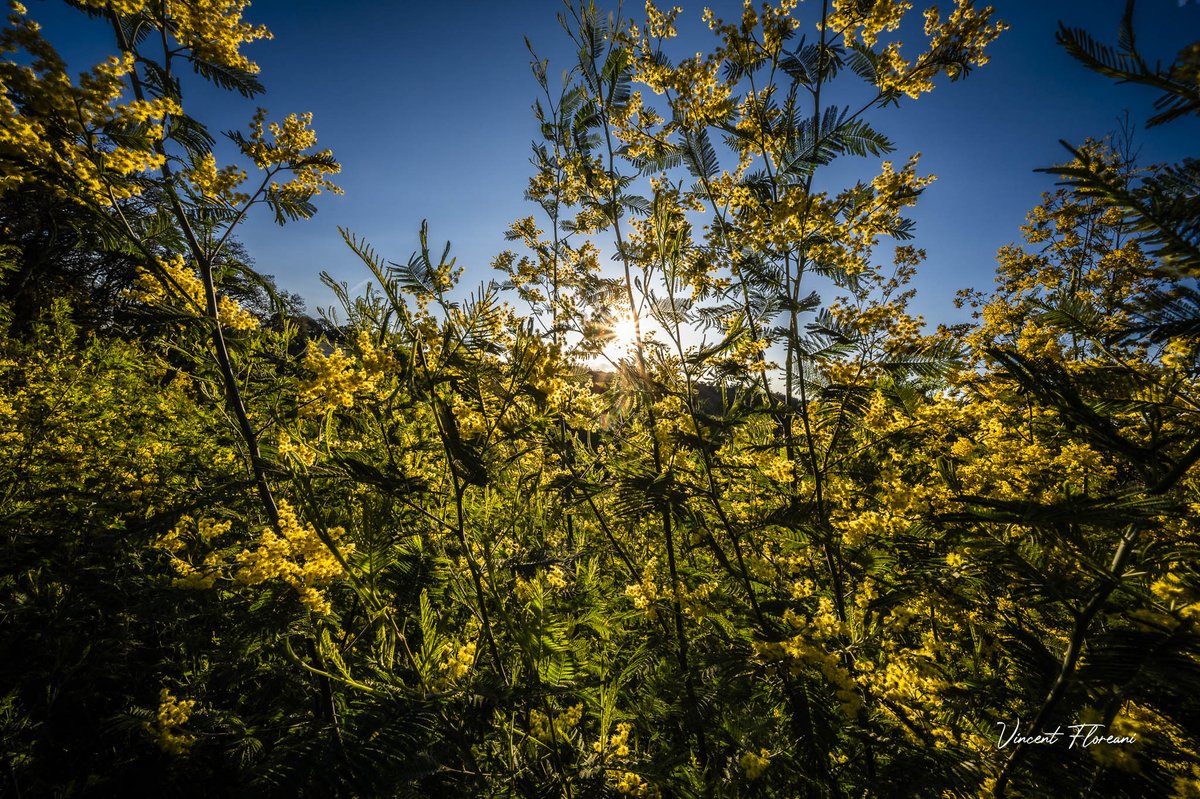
718	516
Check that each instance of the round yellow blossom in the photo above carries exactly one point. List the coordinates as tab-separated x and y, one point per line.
297	556
754	764
172	714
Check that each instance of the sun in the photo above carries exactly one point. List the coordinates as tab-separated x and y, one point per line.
624	332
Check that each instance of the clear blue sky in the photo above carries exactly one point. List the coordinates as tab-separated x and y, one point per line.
428	109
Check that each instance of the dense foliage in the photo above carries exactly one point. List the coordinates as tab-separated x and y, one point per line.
790	544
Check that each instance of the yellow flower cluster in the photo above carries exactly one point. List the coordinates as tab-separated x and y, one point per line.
10	434
966	34
295	450
192	579
758	117
127	161
49	126
864	527
179	281
1133	721
1075	250
458	662
661	24
1179	354
859	22
337	378
298	556
777	24
617	744
1179	595
754	764
895	190
802	650
214	30
287	149
633	784
896	74
559	726
172	714
645	593
217	184
674	419
694	602
638	127
968	30
1001	459
911	680
739	39
189	531
1187	785
577	404
540	727
556	578
125	7
698	95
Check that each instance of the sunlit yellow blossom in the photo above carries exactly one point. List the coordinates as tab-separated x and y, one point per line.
337	377
287	148
213	29
458	662
176	283
172	714
296	555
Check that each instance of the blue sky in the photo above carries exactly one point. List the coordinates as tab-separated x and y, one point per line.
428	109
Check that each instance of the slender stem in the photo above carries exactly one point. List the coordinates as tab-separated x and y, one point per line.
665	514
233	395
443	416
